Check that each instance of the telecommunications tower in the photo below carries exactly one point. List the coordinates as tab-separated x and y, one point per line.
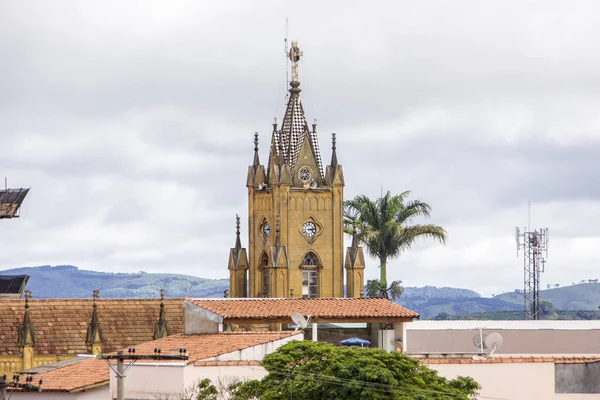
535	248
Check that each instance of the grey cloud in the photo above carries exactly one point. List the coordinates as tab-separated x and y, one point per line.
133	123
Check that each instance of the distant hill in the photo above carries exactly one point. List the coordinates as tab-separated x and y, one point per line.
583	296
429	301
67	281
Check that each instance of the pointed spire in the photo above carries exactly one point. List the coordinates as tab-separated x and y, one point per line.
161	328
26	331
256	162
287	142
94	337
238	241
334	161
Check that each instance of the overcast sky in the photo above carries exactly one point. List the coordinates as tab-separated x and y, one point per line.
132	122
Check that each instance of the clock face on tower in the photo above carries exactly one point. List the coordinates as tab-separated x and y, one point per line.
266	229
309	229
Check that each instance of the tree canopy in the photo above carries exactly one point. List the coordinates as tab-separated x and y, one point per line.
314	370
386	228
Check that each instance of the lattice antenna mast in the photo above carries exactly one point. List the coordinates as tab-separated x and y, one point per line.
535	248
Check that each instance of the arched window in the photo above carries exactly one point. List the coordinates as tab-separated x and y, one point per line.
310	275
264	262
310	258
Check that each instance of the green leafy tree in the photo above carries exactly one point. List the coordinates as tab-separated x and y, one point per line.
314	370
386	228
202	390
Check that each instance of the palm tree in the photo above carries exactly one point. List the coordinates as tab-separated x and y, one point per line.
384	226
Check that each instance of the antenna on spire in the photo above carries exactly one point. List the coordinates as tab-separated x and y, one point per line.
287	66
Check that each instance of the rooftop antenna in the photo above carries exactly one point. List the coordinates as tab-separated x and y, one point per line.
494	341
482	341
479	341
535	248
299	321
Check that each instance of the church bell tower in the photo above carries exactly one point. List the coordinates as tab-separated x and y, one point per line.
295	213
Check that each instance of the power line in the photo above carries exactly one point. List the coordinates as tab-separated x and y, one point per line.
121	357
15	384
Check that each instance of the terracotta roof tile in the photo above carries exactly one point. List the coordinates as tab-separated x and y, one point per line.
509	360
75	377
352	308
61	324
93	372
200	347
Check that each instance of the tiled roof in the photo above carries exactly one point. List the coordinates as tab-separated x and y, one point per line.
200	347
75	377
61	324
320	309
512	360
91	372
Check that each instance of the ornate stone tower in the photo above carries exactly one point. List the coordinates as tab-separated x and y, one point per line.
295	212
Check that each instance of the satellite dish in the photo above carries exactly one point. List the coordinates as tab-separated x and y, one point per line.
479	341
313	185
299	321
494	341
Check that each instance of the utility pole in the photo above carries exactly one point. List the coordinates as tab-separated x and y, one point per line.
131	357
28	385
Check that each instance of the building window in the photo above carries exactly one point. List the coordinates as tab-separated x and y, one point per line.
266	282
309	283
310	262
310	259
264	262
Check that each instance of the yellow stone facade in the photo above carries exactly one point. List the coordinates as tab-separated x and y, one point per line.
295	216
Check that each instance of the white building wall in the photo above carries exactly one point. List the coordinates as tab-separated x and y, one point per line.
222	375
256	353
514	381
151	381
100	393
162	381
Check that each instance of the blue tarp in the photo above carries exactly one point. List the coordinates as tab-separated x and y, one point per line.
355	342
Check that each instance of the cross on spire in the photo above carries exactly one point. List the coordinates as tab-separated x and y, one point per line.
294	55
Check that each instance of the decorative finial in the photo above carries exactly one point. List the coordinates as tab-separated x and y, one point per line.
162	294
314	125
96	294
226	293
27	298
294	55
255	141
237	224
333	141
277	222
292	293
